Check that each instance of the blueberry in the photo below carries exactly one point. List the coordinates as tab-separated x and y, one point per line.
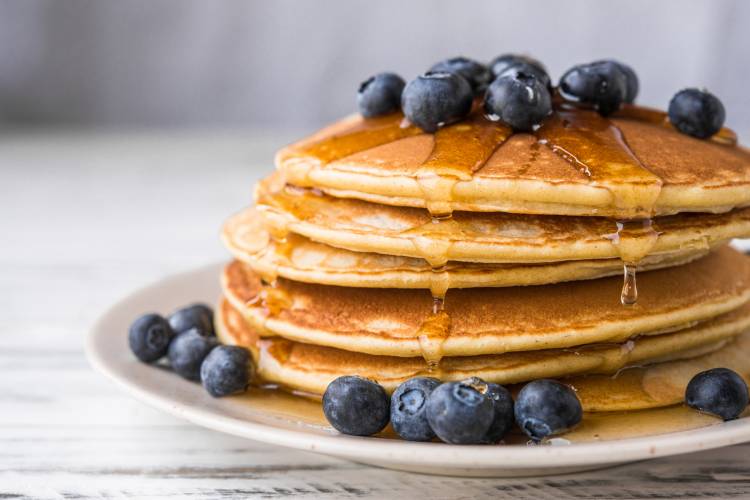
503	405
149	337
226	370
504	61
193	316
526	69
721	392
521	101
460	413
696	112
631	80
409	409
187	351
601	83
476	73
545	408
380	94
357	406
435	99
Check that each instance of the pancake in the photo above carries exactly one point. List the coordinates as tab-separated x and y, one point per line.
301	259
485	237
633	164
310	368
660	384
490	320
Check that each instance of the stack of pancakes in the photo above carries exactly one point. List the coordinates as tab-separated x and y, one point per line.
379	250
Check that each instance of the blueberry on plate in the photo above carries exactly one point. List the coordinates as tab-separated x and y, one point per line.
356	406
504	61
503	406
720	391
226	370
380	94
436	99
519	100
460	412
193	316
631	80
602	84
545	407
696	112
526	69
187	351
476	73
149	337
409	408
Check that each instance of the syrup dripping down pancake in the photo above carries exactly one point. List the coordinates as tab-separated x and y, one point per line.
577	163
481	237
310	368
658	385
491	320
300	259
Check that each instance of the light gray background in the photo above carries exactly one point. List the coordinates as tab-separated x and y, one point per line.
292	65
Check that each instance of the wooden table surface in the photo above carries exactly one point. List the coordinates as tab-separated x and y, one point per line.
85	219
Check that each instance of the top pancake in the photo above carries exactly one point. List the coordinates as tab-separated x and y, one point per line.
577	163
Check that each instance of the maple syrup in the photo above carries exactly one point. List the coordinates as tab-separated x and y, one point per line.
271	299
634	240
277	406
591	143
432	334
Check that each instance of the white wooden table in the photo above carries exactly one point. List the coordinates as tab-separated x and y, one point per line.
86	218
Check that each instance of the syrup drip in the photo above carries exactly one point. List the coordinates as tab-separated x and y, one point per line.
459	151
629	294
432	335
634	240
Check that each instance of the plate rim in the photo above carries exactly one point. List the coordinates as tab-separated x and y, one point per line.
394	451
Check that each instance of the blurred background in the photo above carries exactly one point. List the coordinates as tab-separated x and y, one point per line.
129	130
290	66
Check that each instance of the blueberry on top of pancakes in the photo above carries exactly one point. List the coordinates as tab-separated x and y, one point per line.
380	94
696	112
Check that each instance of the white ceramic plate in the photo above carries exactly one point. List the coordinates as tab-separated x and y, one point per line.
108	352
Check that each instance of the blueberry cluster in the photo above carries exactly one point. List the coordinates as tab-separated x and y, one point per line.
466	412
517	91
187	339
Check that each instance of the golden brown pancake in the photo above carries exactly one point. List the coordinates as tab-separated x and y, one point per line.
485	237
310	368
491	320
301	259
578	163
